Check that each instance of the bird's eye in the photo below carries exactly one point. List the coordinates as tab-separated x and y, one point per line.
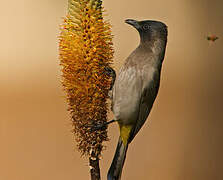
145	27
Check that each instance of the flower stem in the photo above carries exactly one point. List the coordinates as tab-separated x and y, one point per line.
94	167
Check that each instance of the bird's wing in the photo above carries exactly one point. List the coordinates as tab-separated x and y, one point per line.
126	95
146	102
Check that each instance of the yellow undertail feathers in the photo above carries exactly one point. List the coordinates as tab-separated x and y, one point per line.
125	133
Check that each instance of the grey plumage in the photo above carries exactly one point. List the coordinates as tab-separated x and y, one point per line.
118	161
136	87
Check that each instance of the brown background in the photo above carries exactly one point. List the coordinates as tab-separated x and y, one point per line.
182	140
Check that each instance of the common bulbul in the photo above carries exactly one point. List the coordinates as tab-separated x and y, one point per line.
136	87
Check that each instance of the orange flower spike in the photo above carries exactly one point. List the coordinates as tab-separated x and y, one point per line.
85	50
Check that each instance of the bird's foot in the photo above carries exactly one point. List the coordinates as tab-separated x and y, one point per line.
111	72
101	126
97	127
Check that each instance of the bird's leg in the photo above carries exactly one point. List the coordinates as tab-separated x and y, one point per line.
102	125
111	72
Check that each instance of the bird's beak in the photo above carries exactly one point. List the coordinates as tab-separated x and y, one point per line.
132	22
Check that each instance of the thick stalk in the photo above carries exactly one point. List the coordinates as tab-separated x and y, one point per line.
94	167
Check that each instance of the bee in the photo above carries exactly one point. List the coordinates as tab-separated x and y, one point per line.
212	38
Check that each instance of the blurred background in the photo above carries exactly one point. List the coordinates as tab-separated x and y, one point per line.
182	139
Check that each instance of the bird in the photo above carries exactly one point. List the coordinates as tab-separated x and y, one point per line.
136	87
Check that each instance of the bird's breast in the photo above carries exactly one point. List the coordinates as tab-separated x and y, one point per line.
128	92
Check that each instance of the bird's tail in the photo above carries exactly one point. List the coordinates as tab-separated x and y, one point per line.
115	170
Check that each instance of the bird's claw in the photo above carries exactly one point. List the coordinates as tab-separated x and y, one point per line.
110	72
101	126
97	127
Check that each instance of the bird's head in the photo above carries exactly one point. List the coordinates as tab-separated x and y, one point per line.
149	30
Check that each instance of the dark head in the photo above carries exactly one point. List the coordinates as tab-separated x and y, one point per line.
149	30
